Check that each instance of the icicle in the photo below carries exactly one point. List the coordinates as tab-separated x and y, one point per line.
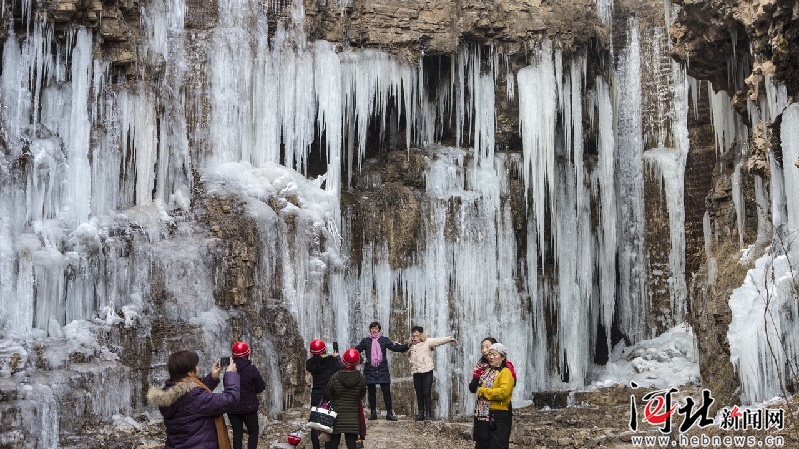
693	84
327	75
667	11
633	298
605	9
789	133
538	105
763	223
15	95
723	119
575	257
482	88
78	199
606	257
738	201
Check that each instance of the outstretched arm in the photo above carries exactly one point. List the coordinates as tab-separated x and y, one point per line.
397	346
360	347
434	342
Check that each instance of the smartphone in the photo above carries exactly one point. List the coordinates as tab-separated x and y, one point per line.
224	361
335	346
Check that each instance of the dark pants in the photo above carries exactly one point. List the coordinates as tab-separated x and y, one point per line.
238	422
494	434
316	400
335	440
315	439
386	389
423	384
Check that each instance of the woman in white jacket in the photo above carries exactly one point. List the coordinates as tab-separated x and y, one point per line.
421	358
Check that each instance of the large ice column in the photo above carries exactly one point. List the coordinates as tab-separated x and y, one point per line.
231	89
45	421
538	108
8	255
669	165
606	182
575	258
633	299
790	158
78	195
15	94
164	21
138	125
327	73
538	360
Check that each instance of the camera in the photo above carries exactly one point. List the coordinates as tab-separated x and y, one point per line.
335	346
224	361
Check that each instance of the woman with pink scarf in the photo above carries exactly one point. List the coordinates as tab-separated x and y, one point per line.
376	369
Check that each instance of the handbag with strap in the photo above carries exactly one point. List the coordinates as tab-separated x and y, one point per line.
322	417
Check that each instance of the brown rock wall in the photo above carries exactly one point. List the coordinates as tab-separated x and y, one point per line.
715	36
409	28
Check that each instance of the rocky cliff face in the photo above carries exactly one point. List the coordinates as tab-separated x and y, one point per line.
738	48
411	28
251	243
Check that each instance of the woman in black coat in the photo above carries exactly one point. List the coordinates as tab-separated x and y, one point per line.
345	390
322	367
245	412
376	369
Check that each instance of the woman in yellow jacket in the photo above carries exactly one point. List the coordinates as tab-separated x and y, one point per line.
492	419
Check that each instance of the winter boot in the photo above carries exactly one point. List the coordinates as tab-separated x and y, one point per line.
390	416
421	416
373	416
428	415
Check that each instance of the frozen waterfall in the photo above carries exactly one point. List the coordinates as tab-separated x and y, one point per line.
232	188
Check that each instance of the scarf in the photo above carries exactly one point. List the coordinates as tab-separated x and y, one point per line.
377	351
222	436
483	404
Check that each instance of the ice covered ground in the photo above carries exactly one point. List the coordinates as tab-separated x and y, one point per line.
668	360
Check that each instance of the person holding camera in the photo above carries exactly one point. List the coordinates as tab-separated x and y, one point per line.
245	412
192	412
376	369
492	419
322	367
421	358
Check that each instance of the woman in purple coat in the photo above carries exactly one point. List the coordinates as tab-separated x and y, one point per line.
192	412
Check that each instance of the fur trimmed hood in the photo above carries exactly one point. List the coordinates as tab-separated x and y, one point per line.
422	337
169	395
